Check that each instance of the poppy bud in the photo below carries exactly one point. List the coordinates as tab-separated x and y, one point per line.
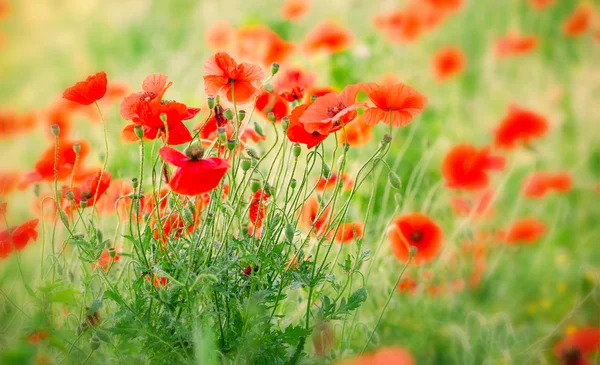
69	195
285	123
268	188
112	252
241	115
94	343
274	68
211	102
231	144
271	117
252	153
296	149
191	207
326	170
83	204
55	128
77	148
188	217
209	217
218	99
228	114
134	183
258	129
244	229
394	180
162	294
269	88
412	251
293	183
254	185
139	131
221	134
246	164
289	233
387	138
346	146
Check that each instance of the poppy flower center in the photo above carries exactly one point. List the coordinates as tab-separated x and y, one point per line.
147	96
194	153
332	111
571	355
86	195
416	236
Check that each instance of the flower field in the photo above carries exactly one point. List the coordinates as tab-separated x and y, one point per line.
347	182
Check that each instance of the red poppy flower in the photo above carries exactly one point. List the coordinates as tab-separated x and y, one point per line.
448	62
479	207
259	44
407	285
297	133
17	238
524	230
349	232
105	259
539	184
219	35
249	134
415	229
580	21
194	175
383	356
153	197
356	134
466	167
37	337
446	5
541	4
324	183
313	214
158	282
222	72
258	209
574	348
519	126
401	25
329	37
173	226
67	163
332	111
514	44
291	83
9	180
92	188
294	9
14	123
89	91
272	103
395	104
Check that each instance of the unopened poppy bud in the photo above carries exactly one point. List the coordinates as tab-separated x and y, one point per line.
268	188
285	123
271	117
289	233
412	251
164	297
221	134
94	343
258	129
77	148
252	153
139	131
241	115
188	217
293	183
83	204
211	102
218	99
191	207
387	138
231	144
274	68
112	252
326	170
69	195
134	183
394	180
55	128
246	164
269	88
244	229
228	114
296	149
254	185
346	146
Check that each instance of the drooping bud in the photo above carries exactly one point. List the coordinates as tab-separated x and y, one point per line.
228	114
394	180
246	164
326	170
297	150
252	153
289	233
55	128
139	131
258	129
77	148
254	185
274	68
231	144
241	115
221	134
211	102
188	217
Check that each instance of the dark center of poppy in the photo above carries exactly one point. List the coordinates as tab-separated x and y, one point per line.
332	111
571	355
416	236
316	134
194	153
86	195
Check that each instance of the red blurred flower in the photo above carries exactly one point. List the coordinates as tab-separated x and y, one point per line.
514	44
17	238
258	209
225	77
92	188
415	229
158	282
194	175
219	35
383	356
349	232
329	37
580	21
574	348
252	135
519	126
16	123
332	111
294	9
541	4
466	167
356	134
395	104
313	214
105	260
171	226
297	133
292	82
89	91
479	207
448	62
259	44
37	337
324	183
272	103
524	230
539	184
408	285
9	180
67	163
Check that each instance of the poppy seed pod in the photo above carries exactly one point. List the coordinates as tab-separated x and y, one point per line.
254	185
77	148
285	123
94	343
274	68
221	134
296	149
55	128
387	138
293	183
69	195
412	251
83	204
231	144
228	114
246	164
134	183
394	180
211	102
271	117
112	252
139	131
241	115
